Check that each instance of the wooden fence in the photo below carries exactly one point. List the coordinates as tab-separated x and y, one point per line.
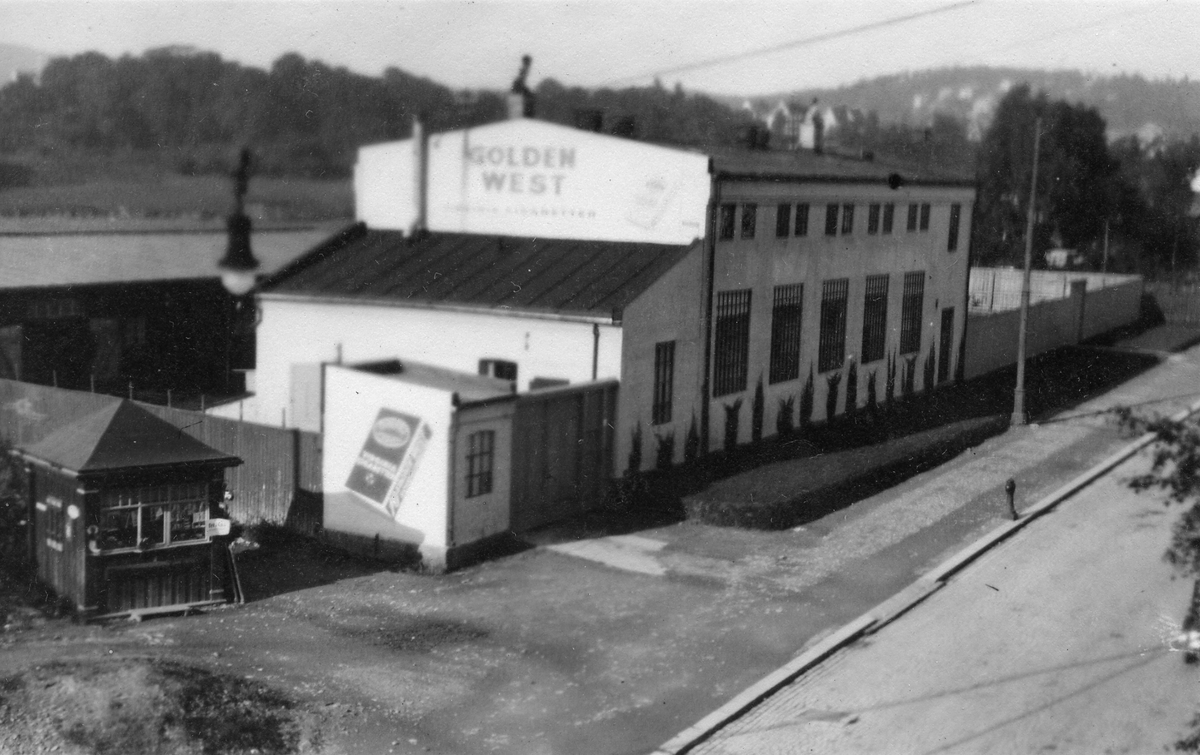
279	480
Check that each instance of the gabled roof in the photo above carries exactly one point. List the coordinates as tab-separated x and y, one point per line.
75	259
122	435
566	277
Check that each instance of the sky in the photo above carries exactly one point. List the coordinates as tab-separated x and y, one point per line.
758	47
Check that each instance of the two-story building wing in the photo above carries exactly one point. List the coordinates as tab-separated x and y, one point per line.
544	254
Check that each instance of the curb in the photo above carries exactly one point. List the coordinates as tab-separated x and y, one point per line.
896	606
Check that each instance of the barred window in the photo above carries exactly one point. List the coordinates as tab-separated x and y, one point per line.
749	220
480	456
831	219
732	357
911	312
802	219
783	221
925	216
664	382
955	219
874	318
889	216
153	515
913	209
725	226
786	317
847	219
832	351
873	219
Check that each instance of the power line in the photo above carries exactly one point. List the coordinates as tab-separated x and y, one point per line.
790	45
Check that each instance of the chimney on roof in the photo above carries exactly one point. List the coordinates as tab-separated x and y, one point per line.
421	176
818	122
520	96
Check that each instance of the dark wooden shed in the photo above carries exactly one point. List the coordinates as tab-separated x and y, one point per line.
123	506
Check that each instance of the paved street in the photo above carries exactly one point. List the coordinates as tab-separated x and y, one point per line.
1057	640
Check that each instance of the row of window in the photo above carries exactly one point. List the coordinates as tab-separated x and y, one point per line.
839	219
153	515
731	359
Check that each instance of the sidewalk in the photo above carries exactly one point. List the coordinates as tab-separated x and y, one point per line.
976	661
1058	639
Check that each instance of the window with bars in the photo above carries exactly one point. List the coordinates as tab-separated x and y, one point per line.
832	350
732	353
847	219
874	335
925	216
726	221
911	311
831	219
783	221
913	210
664	382
889	217
802	219
153	515
786	317
955	219
873	219
481	453
749	220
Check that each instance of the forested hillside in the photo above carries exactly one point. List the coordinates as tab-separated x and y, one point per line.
302	117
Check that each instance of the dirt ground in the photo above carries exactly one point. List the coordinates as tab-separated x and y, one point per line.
599	646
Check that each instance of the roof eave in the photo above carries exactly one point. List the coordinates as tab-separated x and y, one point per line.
503	311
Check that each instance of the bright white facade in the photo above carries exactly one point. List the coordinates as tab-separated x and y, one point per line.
779	270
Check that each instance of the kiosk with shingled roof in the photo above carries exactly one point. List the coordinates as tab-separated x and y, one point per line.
126	511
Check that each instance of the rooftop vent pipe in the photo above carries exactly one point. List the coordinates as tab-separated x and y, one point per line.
520	97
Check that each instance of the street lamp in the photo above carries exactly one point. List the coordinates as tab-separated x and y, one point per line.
1019	417
238	267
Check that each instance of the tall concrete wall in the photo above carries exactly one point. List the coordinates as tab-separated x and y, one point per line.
1083	314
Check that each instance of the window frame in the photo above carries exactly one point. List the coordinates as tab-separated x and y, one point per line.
481	460
801	225
847	218
783	220
914	210
925	208
726	221
835	298
831	218
955	222
875	306
787	328
664	383
172	502
731	336
749	221
912	312
889	217
873	219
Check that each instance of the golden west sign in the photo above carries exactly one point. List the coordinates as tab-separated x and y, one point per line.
529	178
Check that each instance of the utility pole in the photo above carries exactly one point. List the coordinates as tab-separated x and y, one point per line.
1018	416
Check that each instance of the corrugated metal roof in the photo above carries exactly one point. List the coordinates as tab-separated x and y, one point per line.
38	260
802	164
468	270
122	435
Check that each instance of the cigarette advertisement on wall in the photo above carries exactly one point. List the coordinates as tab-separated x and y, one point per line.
385	457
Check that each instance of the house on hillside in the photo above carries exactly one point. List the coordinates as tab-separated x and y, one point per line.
717	287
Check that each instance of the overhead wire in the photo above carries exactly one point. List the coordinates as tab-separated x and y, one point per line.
790	45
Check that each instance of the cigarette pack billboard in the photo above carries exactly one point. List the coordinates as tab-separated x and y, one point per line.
388	460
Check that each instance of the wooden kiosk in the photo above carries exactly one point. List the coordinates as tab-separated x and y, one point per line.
123	507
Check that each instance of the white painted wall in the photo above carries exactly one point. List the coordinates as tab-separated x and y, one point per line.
481	516
353	400
525	177
308	331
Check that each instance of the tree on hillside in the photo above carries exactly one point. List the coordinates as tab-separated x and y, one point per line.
1076	178
1158	175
